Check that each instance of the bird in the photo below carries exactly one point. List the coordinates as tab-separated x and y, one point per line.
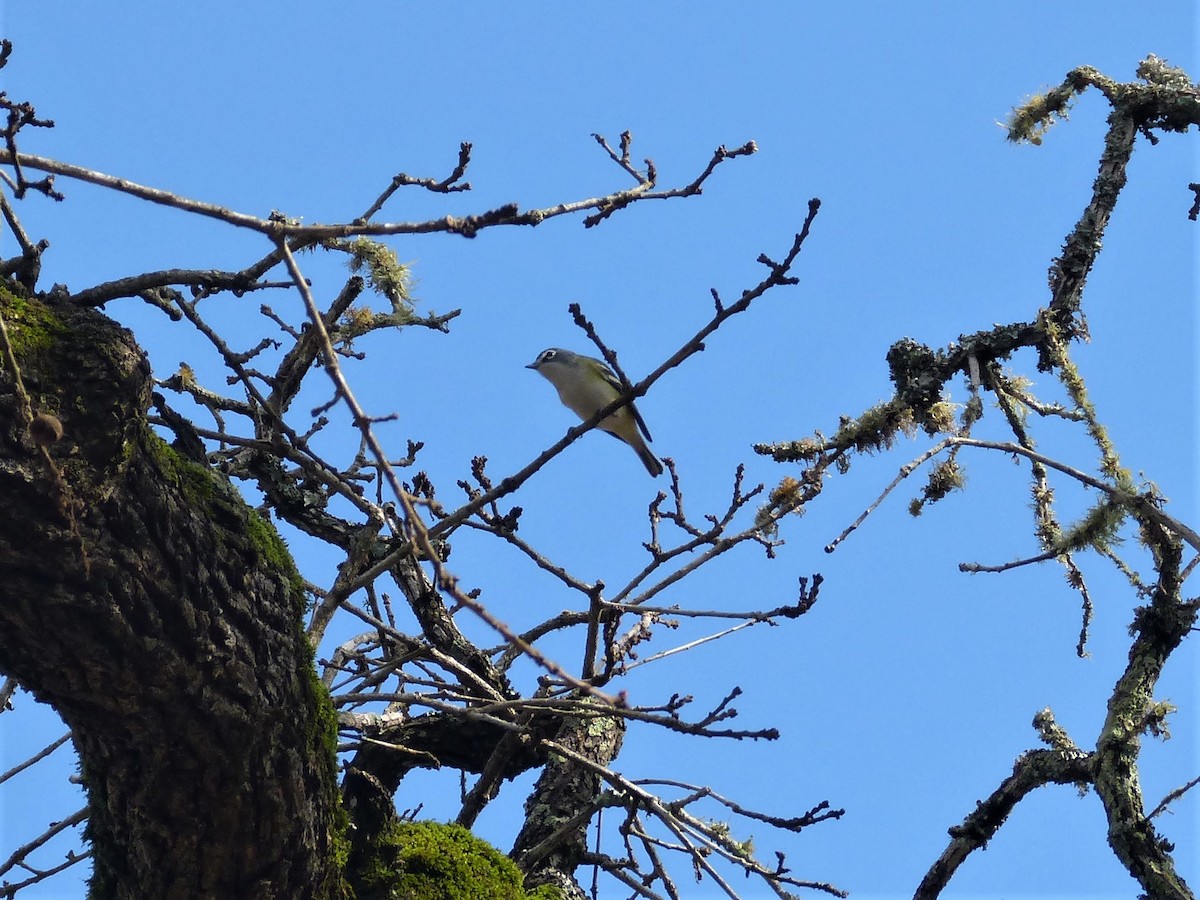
586	385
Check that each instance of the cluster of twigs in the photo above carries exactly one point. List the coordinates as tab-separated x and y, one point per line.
1164	100
404	695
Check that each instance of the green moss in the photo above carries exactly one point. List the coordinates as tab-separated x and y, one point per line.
274	551
101	882
207	490
197	482
432	861
32	326
323	741
203	486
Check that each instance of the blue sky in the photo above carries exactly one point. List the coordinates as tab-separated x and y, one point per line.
907	693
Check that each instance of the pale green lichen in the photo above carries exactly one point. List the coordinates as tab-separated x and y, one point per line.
385	273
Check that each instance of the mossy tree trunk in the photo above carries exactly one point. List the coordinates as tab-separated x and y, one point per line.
161	617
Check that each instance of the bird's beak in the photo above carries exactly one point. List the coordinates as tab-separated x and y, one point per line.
532	365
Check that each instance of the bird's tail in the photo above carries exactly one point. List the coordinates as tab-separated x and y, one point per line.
649	460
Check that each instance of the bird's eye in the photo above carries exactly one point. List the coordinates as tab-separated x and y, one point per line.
548	355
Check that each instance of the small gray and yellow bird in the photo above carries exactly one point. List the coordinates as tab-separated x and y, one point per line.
585	386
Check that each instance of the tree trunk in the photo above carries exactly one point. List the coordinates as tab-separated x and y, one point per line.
161	617
553	840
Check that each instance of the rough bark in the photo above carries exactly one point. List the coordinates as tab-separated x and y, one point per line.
553	840
161	617
1159	628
